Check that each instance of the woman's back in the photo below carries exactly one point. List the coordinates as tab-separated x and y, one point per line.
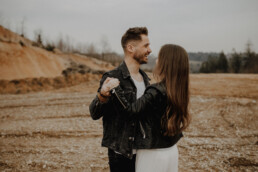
149	110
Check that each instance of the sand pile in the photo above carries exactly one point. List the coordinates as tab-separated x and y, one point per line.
20	58
11	37
17	62
27	67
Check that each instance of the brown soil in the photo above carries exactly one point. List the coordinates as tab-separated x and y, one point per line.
20	58
18	62
53	131
232	85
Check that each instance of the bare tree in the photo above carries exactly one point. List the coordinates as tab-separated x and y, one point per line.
69	44
38	37
104	44
249	46
91	49
22	27
60	43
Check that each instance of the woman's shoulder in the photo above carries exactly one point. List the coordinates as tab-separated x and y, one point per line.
157	88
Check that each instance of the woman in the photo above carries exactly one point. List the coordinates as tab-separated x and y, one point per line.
163	110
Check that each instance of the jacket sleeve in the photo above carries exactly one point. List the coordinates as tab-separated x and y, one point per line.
137	109
97	108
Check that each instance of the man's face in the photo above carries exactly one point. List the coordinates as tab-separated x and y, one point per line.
142	50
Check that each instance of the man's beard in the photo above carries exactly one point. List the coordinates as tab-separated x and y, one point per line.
140	58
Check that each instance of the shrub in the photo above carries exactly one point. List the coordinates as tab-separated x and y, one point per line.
49	47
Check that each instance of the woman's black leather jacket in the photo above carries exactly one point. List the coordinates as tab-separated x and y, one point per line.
148	109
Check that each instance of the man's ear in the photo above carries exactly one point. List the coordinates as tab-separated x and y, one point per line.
130	48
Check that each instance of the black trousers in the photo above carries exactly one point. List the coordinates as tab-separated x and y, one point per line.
119	163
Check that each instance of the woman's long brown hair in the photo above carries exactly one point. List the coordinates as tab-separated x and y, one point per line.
172	70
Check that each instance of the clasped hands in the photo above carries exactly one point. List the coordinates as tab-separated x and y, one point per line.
108	85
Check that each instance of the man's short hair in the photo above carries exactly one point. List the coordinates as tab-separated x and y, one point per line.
133	34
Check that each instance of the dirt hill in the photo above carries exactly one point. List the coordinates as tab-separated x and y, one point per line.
20	58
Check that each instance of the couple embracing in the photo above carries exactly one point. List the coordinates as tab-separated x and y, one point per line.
141	122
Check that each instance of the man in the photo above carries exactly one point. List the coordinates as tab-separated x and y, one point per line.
119	132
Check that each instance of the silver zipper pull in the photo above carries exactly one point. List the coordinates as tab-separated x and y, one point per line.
114	91
142	130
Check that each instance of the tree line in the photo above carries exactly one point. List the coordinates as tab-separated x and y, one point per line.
66	45
236	62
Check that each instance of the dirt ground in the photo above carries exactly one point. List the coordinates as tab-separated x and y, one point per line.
53	130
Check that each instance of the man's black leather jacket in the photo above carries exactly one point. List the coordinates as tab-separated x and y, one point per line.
119	132
148	109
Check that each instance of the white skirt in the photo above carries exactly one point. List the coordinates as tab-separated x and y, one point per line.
157	160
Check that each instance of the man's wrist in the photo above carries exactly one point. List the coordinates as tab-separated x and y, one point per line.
102	95
102	98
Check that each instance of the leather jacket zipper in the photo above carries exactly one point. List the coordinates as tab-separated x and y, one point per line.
114	91
142	130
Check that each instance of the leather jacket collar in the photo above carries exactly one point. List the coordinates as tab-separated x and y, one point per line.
126	73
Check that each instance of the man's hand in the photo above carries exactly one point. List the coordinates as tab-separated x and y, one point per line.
108	85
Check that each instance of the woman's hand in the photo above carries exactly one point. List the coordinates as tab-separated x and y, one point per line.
108	85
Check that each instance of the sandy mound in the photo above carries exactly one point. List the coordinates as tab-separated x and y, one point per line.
19	62
9	36
19	59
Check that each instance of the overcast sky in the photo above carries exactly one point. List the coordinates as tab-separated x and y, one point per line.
197	25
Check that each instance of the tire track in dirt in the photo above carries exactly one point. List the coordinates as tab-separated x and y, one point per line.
70	116
31	106
8	117
53	134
